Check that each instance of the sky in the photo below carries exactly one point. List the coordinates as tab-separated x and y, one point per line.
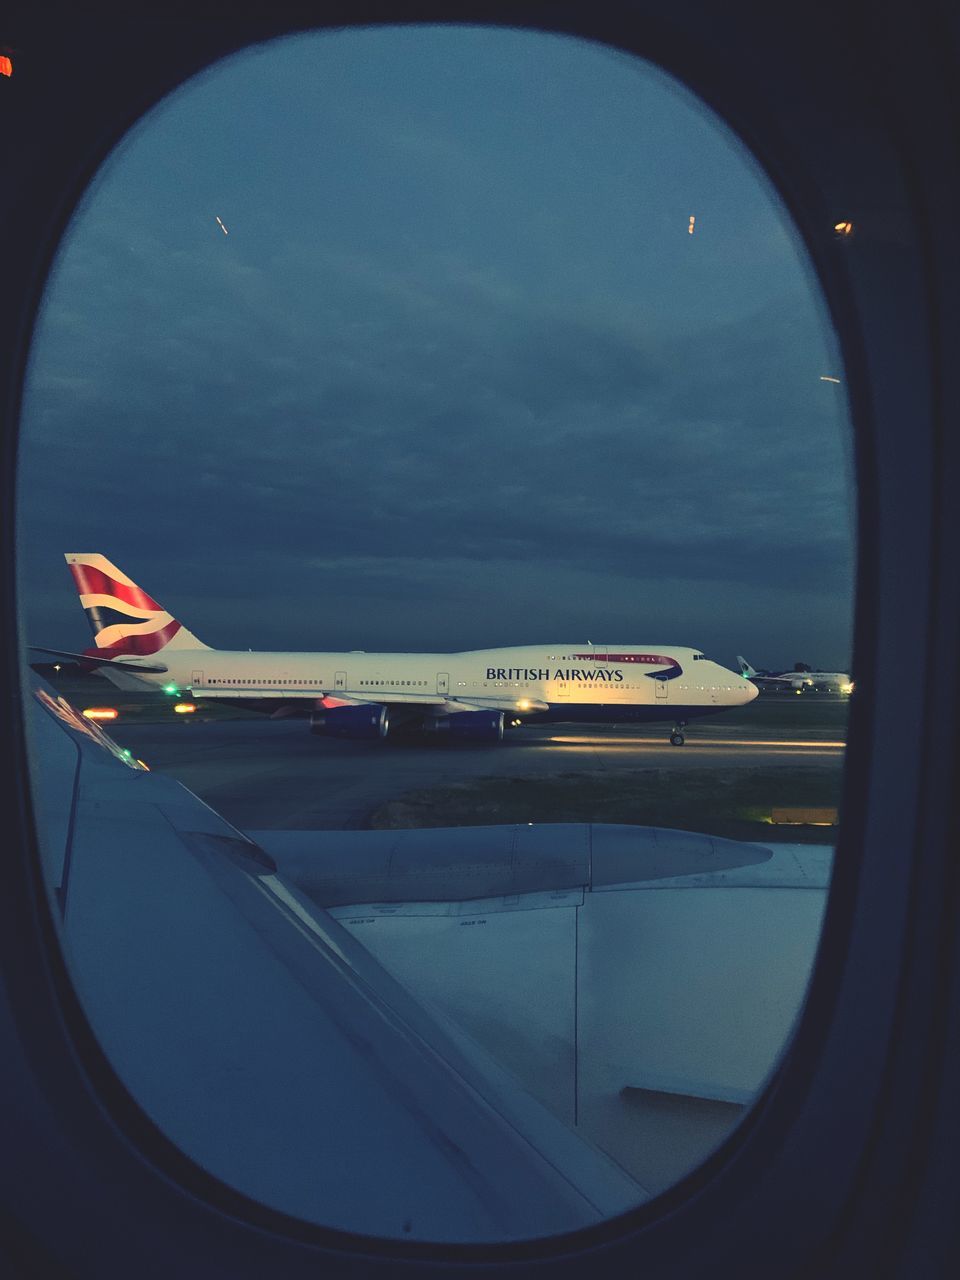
457	376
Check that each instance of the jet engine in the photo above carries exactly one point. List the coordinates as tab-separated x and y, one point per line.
469	726
365	721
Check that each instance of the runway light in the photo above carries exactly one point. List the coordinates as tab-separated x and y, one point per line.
843	229
691	224
185	708
100	713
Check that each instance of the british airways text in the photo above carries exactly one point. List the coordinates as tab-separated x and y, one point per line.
598	675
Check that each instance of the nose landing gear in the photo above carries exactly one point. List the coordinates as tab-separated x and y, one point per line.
676	738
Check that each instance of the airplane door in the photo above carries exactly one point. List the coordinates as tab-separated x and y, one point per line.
196	680
662	687
443	682
340	680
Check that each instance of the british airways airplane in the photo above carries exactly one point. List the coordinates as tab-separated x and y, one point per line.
465	696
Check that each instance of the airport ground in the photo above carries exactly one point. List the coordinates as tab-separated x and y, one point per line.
733	776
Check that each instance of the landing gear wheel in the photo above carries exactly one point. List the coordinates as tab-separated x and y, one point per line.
677	739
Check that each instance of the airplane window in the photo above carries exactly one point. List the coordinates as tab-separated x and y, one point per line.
577	888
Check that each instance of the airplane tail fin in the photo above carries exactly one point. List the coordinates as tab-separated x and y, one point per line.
745	668
125	621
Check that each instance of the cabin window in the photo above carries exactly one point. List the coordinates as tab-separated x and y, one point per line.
451	243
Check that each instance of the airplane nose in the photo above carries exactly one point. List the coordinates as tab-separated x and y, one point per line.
750	692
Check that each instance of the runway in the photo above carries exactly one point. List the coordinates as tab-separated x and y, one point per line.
274	774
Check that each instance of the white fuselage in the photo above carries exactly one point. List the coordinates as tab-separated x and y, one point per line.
559	681
835	681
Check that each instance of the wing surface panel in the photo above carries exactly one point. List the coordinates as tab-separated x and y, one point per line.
646	1012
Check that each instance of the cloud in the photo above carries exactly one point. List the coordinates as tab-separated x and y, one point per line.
432	396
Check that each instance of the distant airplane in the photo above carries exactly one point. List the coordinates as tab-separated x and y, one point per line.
801	678
138	644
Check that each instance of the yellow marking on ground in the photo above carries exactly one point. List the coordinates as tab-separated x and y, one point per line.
790	743
792	816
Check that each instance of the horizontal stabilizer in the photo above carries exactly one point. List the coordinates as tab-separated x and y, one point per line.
94	661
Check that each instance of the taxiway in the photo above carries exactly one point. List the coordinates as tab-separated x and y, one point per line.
275	774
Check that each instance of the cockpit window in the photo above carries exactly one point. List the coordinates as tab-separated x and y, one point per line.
460	345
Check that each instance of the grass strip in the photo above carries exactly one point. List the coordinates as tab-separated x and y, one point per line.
735	803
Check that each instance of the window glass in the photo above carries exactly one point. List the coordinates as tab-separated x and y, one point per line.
512	345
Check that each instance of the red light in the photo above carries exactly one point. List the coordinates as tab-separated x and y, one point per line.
6	66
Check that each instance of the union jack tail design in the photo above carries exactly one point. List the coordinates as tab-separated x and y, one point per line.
125	621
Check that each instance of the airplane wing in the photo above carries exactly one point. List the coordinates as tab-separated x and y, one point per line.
356	711
268	1043
345	697
429	703
514	705
462	1034
447	702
